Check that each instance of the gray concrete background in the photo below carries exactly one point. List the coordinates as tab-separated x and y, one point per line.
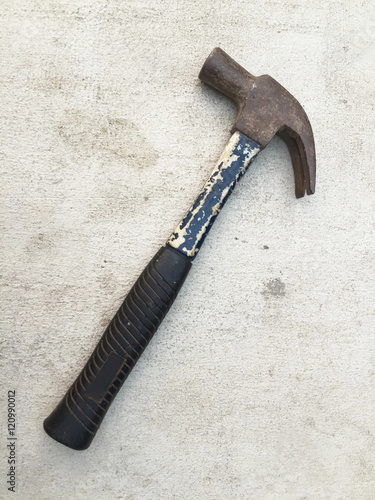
260	382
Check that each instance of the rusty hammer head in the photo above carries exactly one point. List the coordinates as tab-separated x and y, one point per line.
265	109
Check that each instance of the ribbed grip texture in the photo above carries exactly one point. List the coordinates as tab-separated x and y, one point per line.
77	418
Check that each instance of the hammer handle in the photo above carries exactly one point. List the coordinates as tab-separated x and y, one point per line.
78	416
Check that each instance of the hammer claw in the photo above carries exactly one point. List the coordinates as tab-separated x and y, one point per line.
303	163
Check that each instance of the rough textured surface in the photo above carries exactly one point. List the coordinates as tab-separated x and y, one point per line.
260	382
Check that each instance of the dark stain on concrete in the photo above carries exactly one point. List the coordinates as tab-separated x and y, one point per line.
274	288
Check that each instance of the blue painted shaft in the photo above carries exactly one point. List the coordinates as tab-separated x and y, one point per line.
191	232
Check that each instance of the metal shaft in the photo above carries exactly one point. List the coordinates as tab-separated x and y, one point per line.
191	232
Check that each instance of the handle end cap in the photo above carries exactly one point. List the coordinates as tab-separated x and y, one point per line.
64	427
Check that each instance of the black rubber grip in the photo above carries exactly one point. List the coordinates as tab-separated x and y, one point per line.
78	416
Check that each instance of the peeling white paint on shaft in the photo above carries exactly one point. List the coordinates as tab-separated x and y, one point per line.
235	159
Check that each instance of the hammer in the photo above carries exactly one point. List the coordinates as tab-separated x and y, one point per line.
265	109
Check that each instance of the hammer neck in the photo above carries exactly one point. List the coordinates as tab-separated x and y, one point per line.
191	232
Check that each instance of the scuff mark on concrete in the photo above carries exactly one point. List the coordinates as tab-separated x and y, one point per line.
127	141
88	134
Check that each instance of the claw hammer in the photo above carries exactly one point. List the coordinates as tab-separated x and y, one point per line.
265	109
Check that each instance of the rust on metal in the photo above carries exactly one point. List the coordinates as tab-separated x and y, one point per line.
265	109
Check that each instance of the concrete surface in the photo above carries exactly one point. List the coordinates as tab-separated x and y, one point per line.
260	382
